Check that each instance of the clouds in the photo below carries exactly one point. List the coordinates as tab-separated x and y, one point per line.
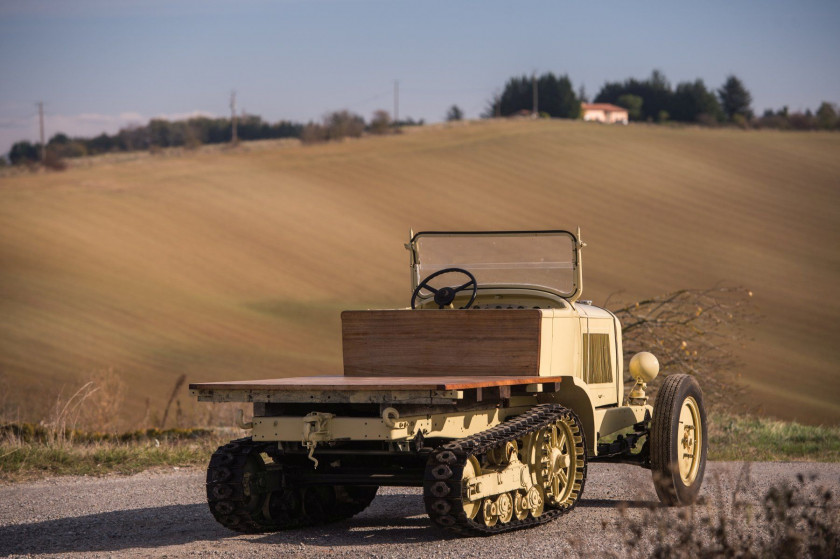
16	128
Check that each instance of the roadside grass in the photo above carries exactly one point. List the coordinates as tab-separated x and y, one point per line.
750	438
29	452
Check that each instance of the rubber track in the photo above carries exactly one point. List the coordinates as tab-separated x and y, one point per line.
448	511
230	506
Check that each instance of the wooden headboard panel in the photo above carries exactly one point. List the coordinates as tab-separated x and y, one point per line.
441	342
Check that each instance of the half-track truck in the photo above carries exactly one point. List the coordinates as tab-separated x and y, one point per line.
491	391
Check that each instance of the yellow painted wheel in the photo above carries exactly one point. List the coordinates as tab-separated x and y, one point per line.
504	507
561	470
520	509
536	500
691	440
490	512
678	440
471	470
562	462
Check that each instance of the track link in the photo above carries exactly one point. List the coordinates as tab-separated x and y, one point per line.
443	486
245	496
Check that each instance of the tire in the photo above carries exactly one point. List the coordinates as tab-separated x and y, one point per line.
678	441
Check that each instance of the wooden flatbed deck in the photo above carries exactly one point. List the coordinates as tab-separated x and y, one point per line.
342	383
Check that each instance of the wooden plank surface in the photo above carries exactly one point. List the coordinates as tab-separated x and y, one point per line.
374	383
503	342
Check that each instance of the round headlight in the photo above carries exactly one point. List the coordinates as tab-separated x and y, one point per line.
644	366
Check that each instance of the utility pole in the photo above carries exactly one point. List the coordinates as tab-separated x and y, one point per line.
535	111
233	138
396	102
41	120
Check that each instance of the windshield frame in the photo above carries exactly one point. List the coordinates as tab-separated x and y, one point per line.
576	258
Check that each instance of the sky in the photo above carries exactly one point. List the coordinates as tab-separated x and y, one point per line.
99	65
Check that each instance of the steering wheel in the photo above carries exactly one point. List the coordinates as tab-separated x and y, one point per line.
445	295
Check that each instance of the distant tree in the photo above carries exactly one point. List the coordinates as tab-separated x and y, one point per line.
343	124
655	92
59	139
582	95
735	99
556	97
692	102
803	121
827	116
54	161
454	113
633	104
61	146
380	123
286	129
313	133
408	121
23	152
160	133
493	107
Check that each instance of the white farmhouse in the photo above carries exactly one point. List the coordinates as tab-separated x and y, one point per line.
604	112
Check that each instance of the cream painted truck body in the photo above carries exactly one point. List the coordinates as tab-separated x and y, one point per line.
419	380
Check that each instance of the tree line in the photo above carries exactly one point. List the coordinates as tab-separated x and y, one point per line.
158	133
193	132
654	99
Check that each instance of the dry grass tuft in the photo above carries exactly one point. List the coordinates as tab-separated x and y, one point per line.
797	520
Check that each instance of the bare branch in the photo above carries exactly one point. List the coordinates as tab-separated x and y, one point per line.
691	331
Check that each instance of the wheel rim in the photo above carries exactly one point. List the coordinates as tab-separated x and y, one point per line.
490	512
520	508
536	500
689	440
471	470
257	496
562	462
504	507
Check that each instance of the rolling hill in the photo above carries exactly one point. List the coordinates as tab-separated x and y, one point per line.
234	264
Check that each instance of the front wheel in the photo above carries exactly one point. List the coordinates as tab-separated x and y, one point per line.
678	440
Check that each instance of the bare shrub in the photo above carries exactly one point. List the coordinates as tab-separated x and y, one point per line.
179	382
64	418
343	124
691	331
54	162
313	133
380	123
101	411
796	520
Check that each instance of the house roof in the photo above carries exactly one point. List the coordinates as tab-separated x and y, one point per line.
606	107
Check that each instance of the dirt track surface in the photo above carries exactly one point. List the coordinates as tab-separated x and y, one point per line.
164	514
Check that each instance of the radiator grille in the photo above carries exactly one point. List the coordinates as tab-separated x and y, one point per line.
597	362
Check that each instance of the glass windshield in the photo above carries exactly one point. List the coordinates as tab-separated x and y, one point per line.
536	260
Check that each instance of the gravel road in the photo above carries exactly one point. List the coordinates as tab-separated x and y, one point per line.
163	514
